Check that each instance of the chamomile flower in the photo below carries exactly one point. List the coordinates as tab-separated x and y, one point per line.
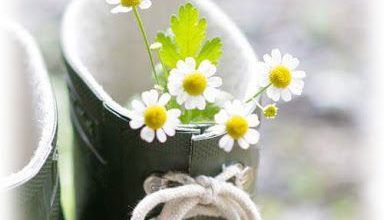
151	115
280	74
194	86
270	111
237	124
124	6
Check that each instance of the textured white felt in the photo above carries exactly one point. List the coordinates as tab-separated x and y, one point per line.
31	109
108	52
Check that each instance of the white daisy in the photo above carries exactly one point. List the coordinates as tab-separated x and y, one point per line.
193	87
280	74
237	124
151	115
124	6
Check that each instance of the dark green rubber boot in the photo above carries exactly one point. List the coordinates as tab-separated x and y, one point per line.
29	184
107	66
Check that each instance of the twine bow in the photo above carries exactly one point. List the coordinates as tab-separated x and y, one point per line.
202	196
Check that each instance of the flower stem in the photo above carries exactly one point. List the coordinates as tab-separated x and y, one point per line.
258	93
259	106
165	71
163	65
145	37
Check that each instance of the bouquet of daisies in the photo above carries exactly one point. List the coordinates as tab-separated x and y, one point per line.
187	85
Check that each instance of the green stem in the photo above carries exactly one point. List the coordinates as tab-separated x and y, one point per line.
258	93
147	45
163	65
259	106
165	71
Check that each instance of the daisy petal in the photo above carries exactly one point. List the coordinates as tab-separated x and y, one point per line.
164	99
121	9
183	67
286	59
296	87
253	120
210	94
138	106
145	4
207	68
273	93
222	97
200	102
221	117
191	63
176	76
161	136
263	71
268	60
136	124
226	143
215	82
264	81
189	104
211	71
293	63
252	136
181	98
290	62
113	2
243	144
174	113
174	73
150	97
217	129
174	88
204	66
147	134
229	108
238	108
276	56
169	129
133	115
286	95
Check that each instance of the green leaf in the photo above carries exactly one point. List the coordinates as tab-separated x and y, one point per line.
197	116
210	111
173	104
168	53
212	51
189	30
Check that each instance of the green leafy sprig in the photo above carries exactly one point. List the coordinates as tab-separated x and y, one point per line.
187	37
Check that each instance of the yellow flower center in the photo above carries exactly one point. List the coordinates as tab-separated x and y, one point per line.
155	116
130	3
195	84
237	127
270	111
280	77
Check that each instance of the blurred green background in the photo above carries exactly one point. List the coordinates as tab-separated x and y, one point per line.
309	157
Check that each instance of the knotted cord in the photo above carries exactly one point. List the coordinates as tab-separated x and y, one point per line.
201	196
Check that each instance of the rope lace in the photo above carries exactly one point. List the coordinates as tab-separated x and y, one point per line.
201	196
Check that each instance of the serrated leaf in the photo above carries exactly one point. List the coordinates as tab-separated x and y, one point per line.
189	30
168	53
212	51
